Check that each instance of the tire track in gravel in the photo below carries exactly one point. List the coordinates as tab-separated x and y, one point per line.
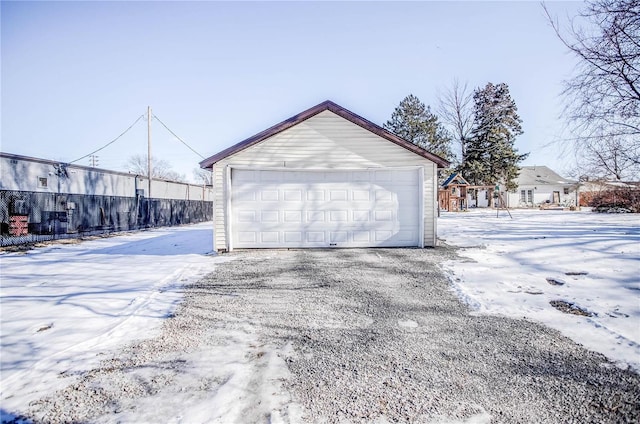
356	359
366	335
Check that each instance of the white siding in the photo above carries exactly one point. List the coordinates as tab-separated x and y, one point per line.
542	194
25	174
325	141
482	200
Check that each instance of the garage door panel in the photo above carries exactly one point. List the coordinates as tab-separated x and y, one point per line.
322	209
338	236
382	236
316	216
338	195
269	216
383	195
360	195
315	236
315	195
339	216
383	215
361	236
269	236
361	216
246	216
247	236
292	216
293	236
269	195
292	195
245	196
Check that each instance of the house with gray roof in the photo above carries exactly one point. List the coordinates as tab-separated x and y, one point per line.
540	186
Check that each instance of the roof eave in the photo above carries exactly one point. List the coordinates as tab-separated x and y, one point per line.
269	132
303	116
378	130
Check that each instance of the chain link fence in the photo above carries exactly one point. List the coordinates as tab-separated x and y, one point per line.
27	217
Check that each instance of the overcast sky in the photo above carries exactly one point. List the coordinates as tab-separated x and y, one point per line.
76	74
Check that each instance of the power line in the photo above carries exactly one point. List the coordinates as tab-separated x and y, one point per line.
111	142
179	139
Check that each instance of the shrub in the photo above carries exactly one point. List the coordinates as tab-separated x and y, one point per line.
617	200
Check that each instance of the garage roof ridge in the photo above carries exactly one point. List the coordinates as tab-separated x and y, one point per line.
303	116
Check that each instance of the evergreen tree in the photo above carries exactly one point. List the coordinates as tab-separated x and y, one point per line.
414	122
491	157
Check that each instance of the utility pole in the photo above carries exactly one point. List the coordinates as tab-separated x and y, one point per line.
149	149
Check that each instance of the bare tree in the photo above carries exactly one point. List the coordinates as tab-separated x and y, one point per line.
160	168
609	157
603	97
202	176
455	107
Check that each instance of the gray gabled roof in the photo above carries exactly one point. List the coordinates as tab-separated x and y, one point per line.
540	175
338	110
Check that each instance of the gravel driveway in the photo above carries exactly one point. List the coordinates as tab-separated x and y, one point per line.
367	335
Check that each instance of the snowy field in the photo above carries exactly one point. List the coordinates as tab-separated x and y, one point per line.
516	267
65	306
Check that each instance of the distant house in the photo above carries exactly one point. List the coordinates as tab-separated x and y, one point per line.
539	186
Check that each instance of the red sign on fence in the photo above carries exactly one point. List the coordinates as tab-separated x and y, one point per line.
18	225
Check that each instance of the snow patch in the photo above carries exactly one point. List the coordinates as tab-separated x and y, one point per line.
408	323
506	266
65	306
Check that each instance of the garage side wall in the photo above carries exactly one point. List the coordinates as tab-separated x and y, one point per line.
325	141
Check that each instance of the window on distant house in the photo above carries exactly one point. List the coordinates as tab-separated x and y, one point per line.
42	182
523	196
530	196
566	190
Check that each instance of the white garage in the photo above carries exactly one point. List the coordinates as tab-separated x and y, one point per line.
324	178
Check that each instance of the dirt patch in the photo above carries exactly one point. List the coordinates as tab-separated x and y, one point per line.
570	308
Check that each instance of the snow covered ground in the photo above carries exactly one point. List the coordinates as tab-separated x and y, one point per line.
516	267
64	306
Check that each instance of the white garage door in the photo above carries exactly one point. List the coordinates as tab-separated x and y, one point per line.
325	209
